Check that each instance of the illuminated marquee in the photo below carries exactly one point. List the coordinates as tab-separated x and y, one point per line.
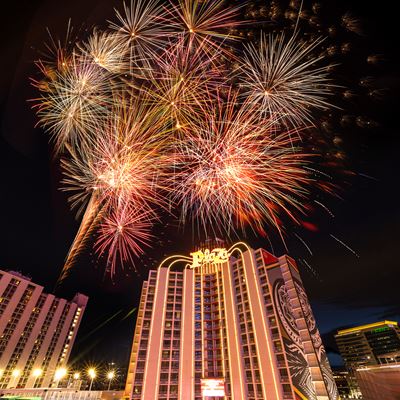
209	257
212	388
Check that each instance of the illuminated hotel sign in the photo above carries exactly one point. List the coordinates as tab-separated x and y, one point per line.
212	388
208	257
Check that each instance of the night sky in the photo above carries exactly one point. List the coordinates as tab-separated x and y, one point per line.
38	226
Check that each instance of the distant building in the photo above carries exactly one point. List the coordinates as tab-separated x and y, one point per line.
346	383
377	343
230	323
37	331
379	382
368	345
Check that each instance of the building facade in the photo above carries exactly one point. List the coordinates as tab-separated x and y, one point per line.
233	324
37	331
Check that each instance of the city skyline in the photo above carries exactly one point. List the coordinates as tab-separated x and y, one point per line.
364	221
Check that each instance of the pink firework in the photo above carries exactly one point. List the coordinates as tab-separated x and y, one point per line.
122	235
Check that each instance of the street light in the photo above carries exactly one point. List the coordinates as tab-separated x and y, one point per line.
36	373
15	374
77	375
60	373
92	375
110	377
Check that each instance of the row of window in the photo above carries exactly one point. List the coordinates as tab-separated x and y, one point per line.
19	348
15	317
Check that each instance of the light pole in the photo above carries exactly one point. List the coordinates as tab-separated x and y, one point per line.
75	376
60	373
92	375
36	373
110	377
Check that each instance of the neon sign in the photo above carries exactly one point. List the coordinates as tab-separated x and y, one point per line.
209	257
212	388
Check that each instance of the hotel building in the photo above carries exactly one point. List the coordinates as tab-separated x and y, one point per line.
233	324
37	331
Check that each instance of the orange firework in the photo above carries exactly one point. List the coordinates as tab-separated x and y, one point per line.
235	169
122	170
145	117
180	82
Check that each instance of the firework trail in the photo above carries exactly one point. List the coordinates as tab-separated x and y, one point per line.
313	270
89	221
325	208
352	23
304	243
344	245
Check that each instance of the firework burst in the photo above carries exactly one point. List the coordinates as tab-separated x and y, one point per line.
145	117
182	80
205	21
122	235
107	51
282	78
122	172
74	102
123	166
236	170
143	27
57	53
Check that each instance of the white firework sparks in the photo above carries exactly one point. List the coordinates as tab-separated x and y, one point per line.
284	80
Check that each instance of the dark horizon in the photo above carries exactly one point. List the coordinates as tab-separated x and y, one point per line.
38	226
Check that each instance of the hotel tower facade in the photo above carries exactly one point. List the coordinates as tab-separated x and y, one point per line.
37	331
227	323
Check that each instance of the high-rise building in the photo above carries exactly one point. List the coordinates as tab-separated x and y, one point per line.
233	324
340	375
37	331
372	344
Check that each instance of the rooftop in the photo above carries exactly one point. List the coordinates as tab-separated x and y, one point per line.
366	327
